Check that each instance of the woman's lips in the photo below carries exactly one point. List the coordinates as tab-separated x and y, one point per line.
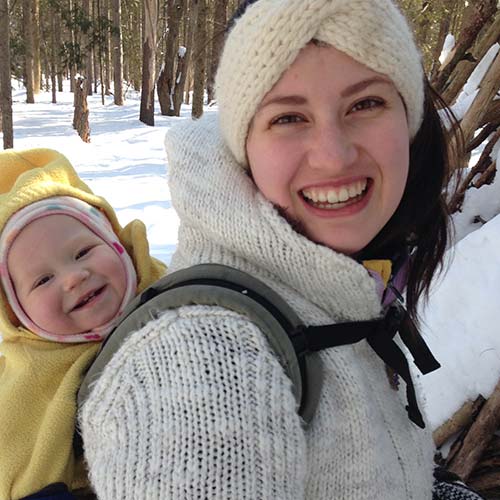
333	195
347	199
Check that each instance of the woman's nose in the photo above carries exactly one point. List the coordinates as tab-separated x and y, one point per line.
331	148
74	278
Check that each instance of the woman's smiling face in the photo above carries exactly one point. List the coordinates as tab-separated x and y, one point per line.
329	145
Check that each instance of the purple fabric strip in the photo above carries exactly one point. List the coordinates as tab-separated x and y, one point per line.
379	282
398	282
386	295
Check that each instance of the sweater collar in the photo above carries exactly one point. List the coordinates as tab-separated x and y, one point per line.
225	219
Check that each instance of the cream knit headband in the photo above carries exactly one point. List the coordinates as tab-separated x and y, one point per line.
265	41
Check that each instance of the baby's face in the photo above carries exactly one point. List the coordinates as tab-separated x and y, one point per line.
67	279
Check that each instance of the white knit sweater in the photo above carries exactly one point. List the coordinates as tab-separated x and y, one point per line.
196	406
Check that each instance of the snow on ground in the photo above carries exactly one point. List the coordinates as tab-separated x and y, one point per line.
461	324
125	163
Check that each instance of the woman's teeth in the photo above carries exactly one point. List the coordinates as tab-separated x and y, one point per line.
335	198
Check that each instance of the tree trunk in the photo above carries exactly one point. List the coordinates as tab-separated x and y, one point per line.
117	52
96	47
53	68
148	62
125	57
465	68
220	19
444	28
95	68
422	30
5	86
135	52
58	43
28	55
478	437
81	115
45	51
107	54
37	73
456	16
166	81
461	419
86	50
100	47
189	86
199	59
72	41
489	87
180	78
183	59
476	16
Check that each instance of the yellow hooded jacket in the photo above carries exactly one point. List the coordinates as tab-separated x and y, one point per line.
39	378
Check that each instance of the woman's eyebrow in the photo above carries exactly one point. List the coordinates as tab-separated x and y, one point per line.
347	92
283	99
363	84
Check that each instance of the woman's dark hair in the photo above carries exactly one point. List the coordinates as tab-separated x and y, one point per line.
421	222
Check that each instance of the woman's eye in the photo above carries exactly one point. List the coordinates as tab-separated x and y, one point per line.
287	119
42	281
367	104
83	252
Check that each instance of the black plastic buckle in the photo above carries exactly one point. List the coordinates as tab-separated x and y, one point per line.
299	341
391	322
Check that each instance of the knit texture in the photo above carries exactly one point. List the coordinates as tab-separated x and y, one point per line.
266	40
454	491
196	406
39	378
449	486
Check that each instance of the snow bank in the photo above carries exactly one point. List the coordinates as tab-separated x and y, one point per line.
461	324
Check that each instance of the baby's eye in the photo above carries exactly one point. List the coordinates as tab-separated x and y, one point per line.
368	104
83	252
287	119
42	281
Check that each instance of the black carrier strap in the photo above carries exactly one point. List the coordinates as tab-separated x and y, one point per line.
294	344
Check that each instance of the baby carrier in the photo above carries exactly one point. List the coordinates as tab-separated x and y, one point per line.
295	344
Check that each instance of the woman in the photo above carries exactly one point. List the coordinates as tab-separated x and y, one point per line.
325	164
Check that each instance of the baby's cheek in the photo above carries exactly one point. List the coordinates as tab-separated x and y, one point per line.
42	314
120	278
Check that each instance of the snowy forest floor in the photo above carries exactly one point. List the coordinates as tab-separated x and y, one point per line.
125	163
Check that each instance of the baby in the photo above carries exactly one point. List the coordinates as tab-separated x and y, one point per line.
67	275
67	271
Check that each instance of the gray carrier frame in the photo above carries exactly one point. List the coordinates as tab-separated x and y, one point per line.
223	286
